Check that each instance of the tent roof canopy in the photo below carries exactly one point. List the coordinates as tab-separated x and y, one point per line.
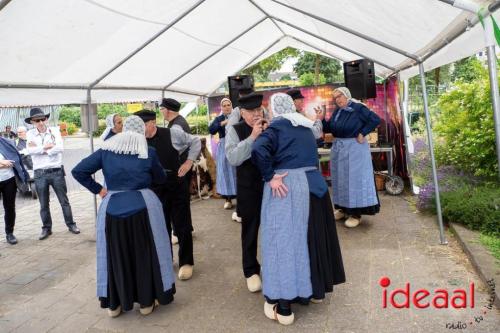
126	50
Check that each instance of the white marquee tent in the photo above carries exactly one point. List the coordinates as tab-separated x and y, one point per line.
133	50
98	51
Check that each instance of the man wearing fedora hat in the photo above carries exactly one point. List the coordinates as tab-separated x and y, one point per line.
45	146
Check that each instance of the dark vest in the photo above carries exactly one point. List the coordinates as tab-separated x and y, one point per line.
167	154
182	122
247	174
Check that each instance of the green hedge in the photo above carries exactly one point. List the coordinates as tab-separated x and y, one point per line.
477	208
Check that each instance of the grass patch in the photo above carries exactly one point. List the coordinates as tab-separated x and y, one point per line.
492	243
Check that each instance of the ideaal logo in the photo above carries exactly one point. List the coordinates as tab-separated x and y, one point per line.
438	299
423	298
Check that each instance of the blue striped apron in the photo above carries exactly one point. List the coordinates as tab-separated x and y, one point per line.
160	237
353	184
284	222
226	173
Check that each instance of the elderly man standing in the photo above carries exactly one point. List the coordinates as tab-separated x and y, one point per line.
171	145
249	183
45	146
298	101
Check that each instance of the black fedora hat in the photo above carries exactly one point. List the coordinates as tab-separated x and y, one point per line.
36	113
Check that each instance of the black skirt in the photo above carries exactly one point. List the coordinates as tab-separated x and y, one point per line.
369	210
133	268
327	268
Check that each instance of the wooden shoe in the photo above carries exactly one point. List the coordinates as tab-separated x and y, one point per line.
338	214
185	272
147	310
175	240
271	312
228	205
316	300
254	283
235	217
352	222
115	313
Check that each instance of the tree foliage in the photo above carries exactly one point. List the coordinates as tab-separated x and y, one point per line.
308	79
468	70
261	70
465	129
330	68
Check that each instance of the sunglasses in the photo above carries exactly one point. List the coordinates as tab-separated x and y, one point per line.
38	120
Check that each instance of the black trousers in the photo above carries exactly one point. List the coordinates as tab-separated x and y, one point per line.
175	198
8	190
249	204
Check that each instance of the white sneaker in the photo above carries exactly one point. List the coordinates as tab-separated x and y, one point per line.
352	222
271	313
338	214
185	272
228	205
235	217
175	240
254	283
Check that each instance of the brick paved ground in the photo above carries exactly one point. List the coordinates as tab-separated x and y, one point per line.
50	285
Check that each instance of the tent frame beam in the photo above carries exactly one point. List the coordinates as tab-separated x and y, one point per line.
215	52
253	59
332	43
149	41
73	87
317	48
265	13
353	32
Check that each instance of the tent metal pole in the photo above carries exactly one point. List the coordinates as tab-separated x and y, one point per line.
406	131
333	43
4	3
351	31
215	52
91	137
317	48
149	41
431	151
468	25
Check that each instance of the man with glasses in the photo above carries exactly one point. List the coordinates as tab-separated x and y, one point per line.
249	183
45	146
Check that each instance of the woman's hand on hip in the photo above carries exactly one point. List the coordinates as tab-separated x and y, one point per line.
279	189
360	138
6	163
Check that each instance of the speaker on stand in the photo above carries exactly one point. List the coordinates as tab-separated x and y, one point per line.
359	76
236	83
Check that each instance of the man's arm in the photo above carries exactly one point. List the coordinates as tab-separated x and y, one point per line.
317	129
31	146
182	141
237	151
58	143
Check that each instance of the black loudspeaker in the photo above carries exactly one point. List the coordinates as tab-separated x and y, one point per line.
359	76
236	83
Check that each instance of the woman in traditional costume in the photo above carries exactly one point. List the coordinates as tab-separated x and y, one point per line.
353	183
134	258
226	173
301	258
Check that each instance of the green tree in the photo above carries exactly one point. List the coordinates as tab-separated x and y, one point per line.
465	129
468	70
308	79
307	63
261	70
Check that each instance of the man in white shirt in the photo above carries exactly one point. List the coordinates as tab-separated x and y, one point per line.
45	146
